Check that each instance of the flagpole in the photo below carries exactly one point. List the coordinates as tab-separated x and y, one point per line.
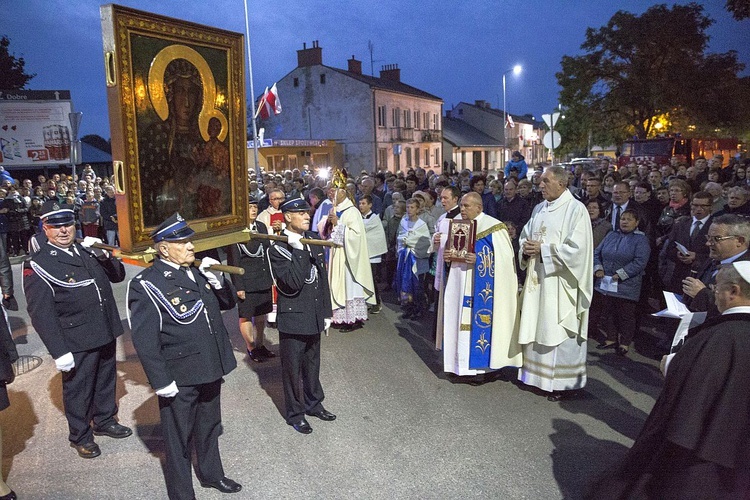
258	177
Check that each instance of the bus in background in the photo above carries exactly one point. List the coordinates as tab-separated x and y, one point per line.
660	150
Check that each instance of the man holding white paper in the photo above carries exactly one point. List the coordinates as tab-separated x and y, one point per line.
686	251
728	239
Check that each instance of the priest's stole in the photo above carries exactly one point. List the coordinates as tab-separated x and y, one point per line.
477	310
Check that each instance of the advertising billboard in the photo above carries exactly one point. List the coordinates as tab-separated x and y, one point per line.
34	127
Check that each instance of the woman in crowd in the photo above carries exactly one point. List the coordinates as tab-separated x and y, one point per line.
599	225
619	263
679	196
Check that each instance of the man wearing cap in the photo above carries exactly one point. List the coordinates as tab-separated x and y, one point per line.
71	306
304	312
178	332
696	441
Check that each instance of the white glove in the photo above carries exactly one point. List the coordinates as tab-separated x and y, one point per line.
89	241
327	323
169	391
65	363
294	241
211	277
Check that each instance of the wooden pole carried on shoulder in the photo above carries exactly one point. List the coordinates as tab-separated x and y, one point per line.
218	267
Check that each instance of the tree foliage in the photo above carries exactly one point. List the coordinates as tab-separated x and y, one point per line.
637	68
740	9
12	73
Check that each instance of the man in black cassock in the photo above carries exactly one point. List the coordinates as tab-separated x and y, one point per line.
696	441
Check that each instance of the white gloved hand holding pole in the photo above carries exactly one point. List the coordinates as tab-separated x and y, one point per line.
211	277
294	241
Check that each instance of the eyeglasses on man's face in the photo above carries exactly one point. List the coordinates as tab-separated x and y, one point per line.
716	239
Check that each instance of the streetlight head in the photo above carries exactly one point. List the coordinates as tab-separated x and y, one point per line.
517	69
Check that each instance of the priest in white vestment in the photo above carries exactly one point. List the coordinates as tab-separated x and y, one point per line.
349	272
556	249
480	320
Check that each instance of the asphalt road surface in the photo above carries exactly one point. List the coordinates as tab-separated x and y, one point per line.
404	428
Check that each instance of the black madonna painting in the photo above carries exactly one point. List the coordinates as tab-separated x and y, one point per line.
178	117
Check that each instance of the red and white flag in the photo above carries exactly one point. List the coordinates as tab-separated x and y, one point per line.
269	103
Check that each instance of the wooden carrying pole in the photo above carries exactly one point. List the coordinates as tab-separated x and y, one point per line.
304	241
218	267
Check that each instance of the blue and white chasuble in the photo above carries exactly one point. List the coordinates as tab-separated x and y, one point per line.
480	321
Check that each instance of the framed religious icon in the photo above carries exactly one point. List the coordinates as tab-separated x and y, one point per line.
462	235
176	94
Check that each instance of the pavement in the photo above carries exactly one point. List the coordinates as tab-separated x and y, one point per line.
405	430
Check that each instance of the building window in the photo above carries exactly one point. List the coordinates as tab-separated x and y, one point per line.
426	120
381	116
416	156
437	156
396	162
396	117
322	78
417	121
408	157
460	111
434	121
426	157
382	158
407	118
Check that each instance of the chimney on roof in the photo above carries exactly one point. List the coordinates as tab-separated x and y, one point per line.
481	103
355	66
309	57
390	72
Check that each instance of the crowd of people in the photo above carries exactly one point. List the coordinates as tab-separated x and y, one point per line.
556	255
21	200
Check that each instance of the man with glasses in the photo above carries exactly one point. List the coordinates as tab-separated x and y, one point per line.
272	216
727	239
73	309
686	252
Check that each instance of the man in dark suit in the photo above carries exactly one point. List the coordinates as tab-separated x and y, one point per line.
72	307
304	311
690	233
728	239
178	332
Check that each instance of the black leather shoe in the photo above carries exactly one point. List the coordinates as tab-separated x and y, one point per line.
323	415
114	430
350	327
302	427
225	485
256	356
9	496
87	450
606	345
263	351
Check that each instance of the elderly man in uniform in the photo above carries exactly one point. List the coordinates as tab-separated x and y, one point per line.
556	247
304	312
178	332
72	307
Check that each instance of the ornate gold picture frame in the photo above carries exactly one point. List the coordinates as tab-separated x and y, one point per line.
176	93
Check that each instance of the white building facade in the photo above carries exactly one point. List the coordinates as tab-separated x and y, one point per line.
380	123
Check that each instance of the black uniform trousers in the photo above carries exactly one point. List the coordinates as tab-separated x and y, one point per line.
89	392
194	413
300	362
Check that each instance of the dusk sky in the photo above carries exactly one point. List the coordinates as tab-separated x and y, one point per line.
457	51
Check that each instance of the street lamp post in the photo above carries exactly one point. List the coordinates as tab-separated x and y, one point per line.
516	70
